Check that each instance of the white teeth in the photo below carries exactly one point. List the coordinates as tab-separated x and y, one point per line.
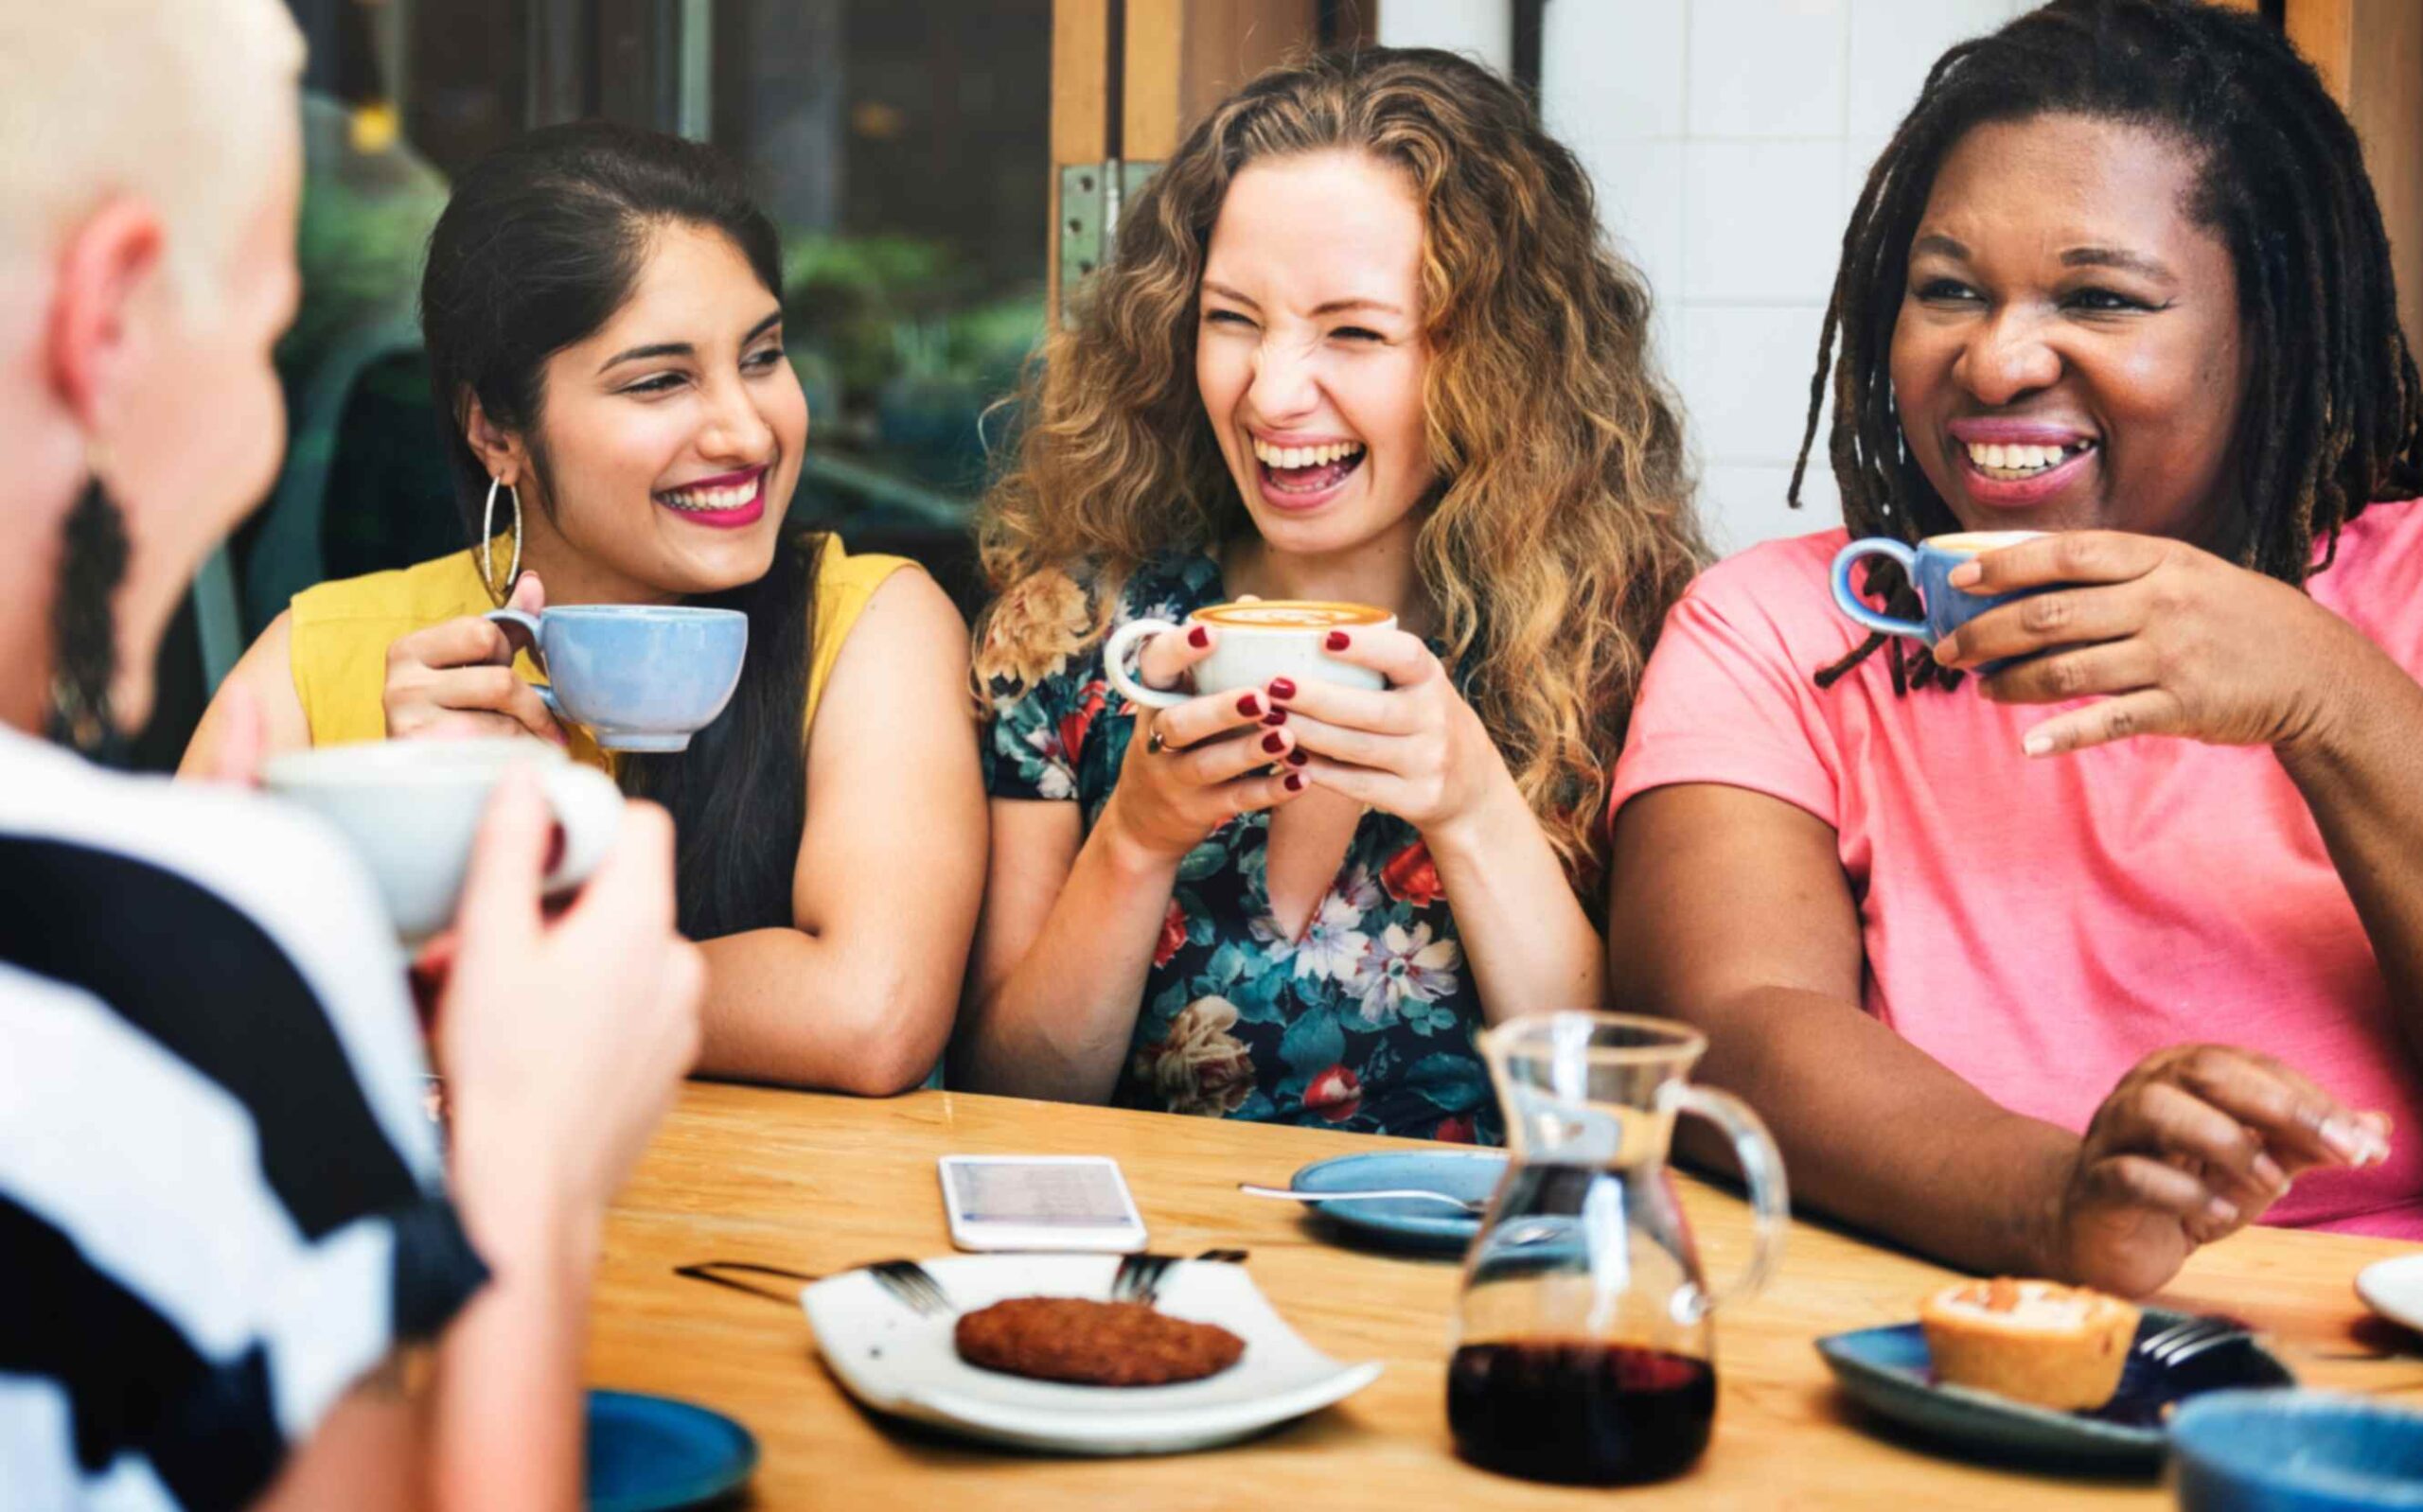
2022	459
710	500
1294	457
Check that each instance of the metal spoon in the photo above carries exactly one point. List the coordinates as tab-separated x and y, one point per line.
1462	1204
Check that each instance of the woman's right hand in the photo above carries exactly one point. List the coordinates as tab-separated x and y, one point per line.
2196	1142
456	677
1214	761
563	1038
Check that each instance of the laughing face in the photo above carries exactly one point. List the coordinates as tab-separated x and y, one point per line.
2068	354
670	440
1310	359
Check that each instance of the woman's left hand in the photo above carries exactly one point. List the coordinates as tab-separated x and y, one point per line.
2172	640
1414	749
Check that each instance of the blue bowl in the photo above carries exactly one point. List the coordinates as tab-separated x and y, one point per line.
2295	1452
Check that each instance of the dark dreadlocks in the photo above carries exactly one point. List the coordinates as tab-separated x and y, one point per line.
83	627
2332	406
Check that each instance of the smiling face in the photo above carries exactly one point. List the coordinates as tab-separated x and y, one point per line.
2068	352
670	438
1310	357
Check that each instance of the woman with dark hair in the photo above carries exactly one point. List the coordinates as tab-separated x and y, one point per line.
604	339
2097	932
1363	341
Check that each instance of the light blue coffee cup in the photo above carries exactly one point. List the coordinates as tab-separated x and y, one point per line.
1927	565
641	676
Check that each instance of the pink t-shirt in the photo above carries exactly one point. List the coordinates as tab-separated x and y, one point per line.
2040	926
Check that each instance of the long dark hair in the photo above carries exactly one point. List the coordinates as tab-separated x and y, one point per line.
2333	415
540	246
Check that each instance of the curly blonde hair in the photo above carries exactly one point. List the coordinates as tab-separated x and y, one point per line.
1561	528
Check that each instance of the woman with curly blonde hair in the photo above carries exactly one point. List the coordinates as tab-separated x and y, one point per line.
1361	342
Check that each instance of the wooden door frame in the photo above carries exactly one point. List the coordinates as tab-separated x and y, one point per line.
1130	78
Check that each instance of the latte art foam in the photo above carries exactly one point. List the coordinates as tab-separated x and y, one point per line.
1289	614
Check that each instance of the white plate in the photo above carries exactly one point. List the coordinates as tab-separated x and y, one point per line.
897	1362
2393	1289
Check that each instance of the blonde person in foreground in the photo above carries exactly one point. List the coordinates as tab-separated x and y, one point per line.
1362	341
224	1218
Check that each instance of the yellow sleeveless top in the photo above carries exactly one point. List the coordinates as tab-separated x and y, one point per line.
339	633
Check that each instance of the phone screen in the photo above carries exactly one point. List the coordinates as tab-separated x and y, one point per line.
1084	1194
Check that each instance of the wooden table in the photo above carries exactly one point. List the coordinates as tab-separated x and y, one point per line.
820	1184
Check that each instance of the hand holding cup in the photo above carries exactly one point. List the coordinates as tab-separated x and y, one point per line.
456	677
1192	764
1413	746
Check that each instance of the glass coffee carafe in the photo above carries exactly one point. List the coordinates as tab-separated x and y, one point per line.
1585	1351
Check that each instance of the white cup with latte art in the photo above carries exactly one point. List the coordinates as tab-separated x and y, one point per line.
1256	639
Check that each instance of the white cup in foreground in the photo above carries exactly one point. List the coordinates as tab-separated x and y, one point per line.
410	810
1257	639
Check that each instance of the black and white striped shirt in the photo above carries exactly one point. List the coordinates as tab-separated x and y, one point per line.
221	1202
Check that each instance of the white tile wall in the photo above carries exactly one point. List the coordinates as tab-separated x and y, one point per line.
1484	28
1761	220
1745	371
1729	139
1765	68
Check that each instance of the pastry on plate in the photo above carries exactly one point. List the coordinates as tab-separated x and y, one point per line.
2040	1341
1093	1343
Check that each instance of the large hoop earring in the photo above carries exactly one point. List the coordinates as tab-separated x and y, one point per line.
487	542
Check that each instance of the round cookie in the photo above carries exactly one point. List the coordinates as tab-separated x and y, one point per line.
1093	1343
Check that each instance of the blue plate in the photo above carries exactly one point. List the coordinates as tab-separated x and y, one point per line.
1408	1224
653	1453
2296	1451
1887	1371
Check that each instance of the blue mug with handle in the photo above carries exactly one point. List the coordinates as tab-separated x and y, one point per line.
642	676
1927	565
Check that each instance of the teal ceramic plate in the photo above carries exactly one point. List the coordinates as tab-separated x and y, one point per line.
655	1455
1887	1371
1405	1222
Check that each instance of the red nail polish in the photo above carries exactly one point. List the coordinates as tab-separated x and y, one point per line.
1277	716
1297	758
1198	637
1249	705
1274	743
1338	640
1283	687
1295	782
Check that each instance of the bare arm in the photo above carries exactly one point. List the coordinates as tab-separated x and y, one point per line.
264	674
1061	955
860	996
1070	920
1530	947
1730	910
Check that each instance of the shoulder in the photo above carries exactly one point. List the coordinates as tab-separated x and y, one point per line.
1777	594
444	588
2376	578
210	908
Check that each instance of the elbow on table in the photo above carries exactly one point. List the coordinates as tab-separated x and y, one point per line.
903	1025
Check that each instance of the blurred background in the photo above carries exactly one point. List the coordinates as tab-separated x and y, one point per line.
939	169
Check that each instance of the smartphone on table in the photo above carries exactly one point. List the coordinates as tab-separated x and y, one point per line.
1039	1203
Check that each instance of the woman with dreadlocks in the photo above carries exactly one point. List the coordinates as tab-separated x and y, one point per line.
2072	966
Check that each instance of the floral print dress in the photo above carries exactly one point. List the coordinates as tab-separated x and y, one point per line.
1364	1023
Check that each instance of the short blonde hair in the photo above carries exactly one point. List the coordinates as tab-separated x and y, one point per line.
163	100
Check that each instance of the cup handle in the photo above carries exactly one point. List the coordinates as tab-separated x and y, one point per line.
528	623
1761	1165
1848	602
589	807
1114	662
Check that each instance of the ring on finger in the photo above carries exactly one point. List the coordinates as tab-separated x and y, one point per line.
1154	744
